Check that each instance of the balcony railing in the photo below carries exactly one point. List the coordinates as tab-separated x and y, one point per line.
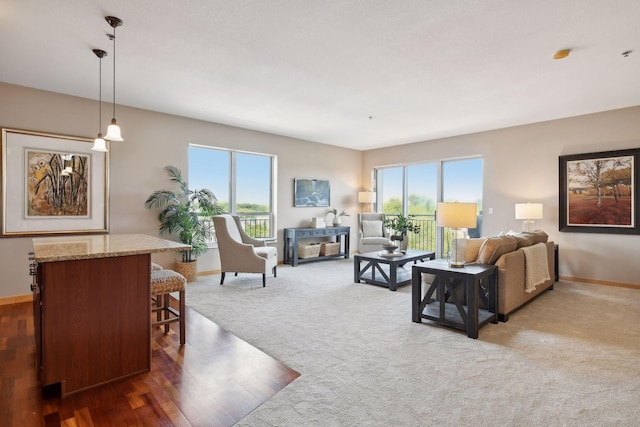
257	226
425	240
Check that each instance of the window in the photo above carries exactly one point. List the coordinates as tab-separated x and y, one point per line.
242	182
417	189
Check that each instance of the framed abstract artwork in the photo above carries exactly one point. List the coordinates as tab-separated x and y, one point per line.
310	193
599	192
52	184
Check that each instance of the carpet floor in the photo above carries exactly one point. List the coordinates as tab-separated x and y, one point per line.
569	358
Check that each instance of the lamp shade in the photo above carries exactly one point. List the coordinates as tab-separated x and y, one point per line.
528	210
457	215
366	197
113	132
99	144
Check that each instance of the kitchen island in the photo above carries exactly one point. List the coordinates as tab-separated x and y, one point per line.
92	309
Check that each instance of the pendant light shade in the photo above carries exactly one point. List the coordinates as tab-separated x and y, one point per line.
99	144
113	131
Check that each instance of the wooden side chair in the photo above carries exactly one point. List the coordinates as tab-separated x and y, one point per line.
164	282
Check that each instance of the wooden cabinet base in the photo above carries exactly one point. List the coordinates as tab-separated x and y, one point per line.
94	323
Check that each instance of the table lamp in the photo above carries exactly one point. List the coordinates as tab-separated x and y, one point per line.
457	217
528	212
367	197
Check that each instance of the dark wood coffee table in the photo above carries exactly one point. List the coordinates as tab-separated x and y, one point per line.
387	271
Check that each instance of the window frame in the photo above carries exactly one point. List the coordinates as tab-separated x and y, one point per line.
232	185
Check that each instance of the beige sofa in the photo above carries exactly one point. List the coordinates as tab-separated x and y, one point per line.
508	254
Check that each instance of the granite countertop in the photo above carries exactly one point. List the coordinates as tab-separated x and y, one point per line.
50	249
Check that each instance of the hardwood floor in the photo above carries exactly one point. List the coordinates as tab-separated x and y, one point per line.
214	380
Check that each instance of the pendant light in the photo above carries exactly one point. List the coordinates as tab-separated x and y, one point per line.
113	131
99	144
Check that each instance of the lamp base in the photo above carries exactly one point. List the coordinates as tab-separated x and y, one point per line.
458	248
528	226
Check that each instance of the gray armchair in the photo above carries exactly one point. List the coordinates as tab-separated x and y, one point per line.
371	232
241	253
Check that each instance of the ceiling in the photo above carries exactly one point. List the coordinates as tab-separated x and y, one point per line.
359	74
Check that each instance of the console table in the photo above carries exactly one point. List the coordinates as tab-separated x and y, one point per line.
444	304
293	235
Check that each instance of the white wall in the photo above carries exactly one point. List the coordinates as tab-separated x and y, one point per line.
154	140
521	165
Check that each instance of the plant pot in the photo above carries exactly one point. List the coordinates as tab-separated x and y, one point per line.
336	221
188	269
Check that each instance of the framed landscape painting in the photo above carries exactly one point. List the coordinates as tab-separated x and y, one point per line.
599	192
52	184
310	193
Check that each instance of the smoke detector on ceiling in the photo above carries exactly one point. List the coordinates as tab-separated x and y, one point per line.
561	54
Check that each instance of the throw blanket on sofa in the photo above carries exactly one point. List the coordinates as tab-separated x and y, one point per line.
536	267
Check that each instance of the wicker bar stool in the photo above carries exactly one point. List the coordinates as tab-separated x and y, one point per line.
163	282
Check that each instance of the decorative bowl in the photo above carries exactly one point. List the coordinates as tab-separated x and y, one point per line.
389	248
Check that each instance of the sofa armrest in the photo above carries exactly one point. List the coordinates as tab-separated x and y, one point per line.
511	280
511	292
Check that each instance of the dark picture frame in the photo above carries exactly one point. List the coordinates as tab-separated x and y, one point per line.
599	192
311	193
52	185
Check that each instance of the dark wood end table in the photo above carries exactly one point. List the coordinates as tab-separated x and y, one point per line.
446	304
387	271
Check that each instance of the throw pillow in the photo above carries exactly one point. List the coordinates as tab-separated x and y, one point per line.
473	248
372	228
494	247
524	239
539	236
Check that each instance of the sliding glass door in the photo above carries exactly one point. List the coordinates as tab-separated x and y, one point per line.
417	189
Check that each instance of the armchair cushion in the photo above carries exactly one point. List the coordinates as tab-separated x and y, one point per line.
372	229
265	252
375	241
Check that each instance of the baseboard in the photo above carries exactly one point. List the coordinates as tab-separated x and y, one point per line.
16	299
600	282
208	272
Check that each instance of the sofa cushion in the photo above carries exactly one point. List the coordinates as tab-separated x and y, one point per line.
372	228
494	247
539	236
473	248
524	239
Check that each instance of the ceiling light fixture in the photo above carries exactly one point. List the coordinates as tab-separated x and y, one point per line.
561	54
113	131
99	144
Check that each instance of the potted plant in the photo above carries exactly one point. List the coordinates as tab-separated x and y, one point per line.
399	226
337	217
187	213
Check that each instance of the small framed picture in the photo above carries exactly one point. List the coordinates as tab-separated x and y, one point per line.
311	193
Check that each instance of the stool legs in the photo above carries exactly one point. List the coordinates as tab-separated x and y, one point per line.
163	283
183	311
164	311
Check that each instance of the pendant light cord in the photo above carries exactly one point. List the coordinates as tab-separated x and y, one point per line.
114	72
100	98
